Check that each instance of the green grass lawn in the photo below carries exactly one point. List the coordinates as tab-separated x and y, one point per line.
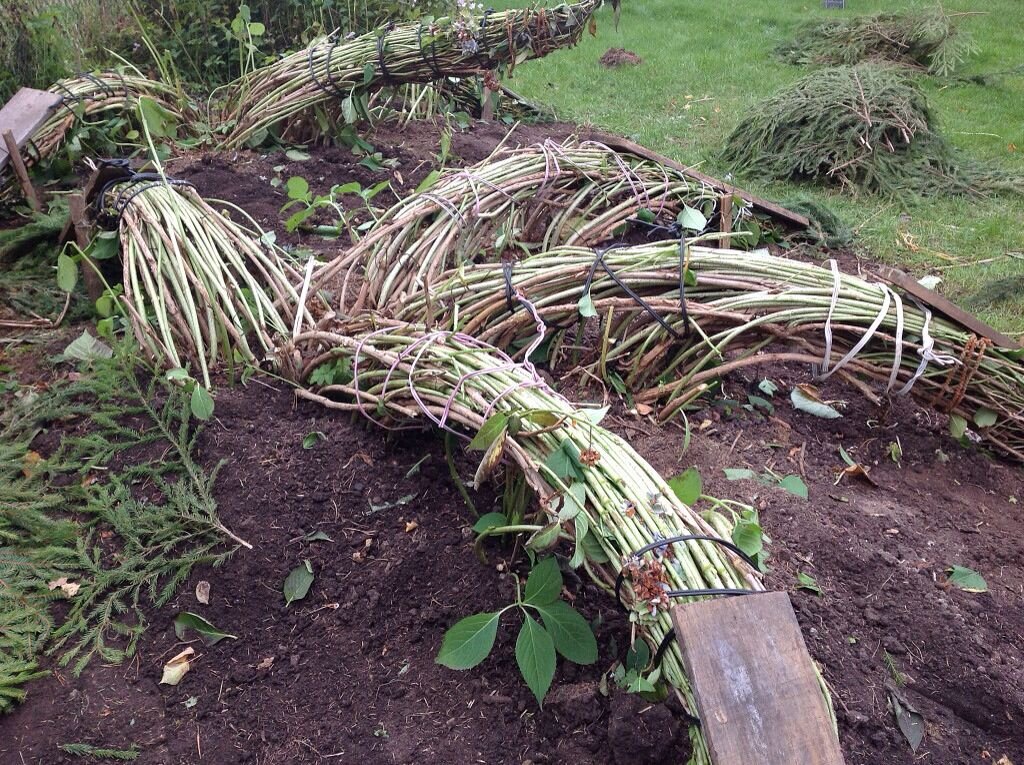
705	65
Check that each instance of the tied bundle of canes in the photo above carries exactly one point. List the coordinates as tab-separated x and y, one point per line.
344	70
594	491
673	320
529	199
197	286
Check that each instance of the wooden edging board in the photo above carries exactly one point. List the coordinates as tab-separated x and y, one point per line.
755	686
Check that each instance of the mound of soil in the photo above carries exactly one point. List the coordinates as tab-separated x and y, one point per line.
615	57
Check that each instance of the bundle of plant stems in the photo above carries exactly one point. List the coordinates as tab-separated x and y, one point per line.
345	70
741	309
529	199
96	96
593	489
198	287
928	39
867	128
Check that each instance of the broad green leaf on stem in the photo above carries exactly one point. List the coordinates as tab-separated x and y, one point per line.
544	584
67	273
692	219
178	375
160	122
570	632
429	181
210	634
348	110
687	486
564	461
794	484
296	156
489	432
469	641
807	582
582	527
761	402
573	502
586	306
738	474
545	538
594	416
593	550
806	399
957	426
985	418
747	535
297	187
489	521
967	579
911	721
298	582
638	655
201	403
535	655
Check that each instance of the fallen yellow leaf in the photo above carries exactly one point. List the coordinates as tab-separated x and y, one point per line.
177	667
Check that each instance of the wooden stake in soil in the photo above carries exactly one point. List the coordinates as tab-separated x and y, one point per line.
20	170
755	686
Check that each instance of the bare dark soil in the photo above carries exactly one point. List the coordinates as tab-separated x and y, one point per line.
616	57
348	674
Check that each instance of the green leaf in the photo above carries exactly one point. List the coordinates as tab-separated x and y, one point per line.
957	426
316	536
85	347
210	634
297	156
298	582
967	579
160	122
201	403
594	416
738	474
593	550
564	461
807	582
535	655
257	29
794	485
692	219
489	432
348	110
911	721
570	632
985	418
469	641
545	538
297	187
638	656
805	402
429	181
586	306
312	439
747	535
687	486
544	584
368	72
767	387
490	521
761	403
67	273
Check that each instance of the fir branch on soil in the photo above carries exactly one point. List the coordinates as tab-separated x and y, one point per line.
100	753
127	541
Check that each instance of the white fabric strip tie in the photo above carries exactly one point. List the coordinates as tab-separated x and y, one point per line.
926	353
887	294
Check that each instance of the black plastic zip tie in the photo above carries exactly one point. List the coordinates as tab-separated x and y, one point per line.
432	61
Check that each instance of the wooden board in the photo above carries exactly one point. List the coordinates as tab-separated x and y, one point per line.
624	144
23	114
934	300
757	695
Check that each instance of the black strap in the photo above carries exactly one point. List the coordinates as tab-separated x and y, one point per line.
432	61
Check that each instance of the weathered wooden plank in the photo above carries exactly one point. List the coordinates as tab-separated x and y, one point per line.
756	691
933	299
624	144
23	114
21	171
